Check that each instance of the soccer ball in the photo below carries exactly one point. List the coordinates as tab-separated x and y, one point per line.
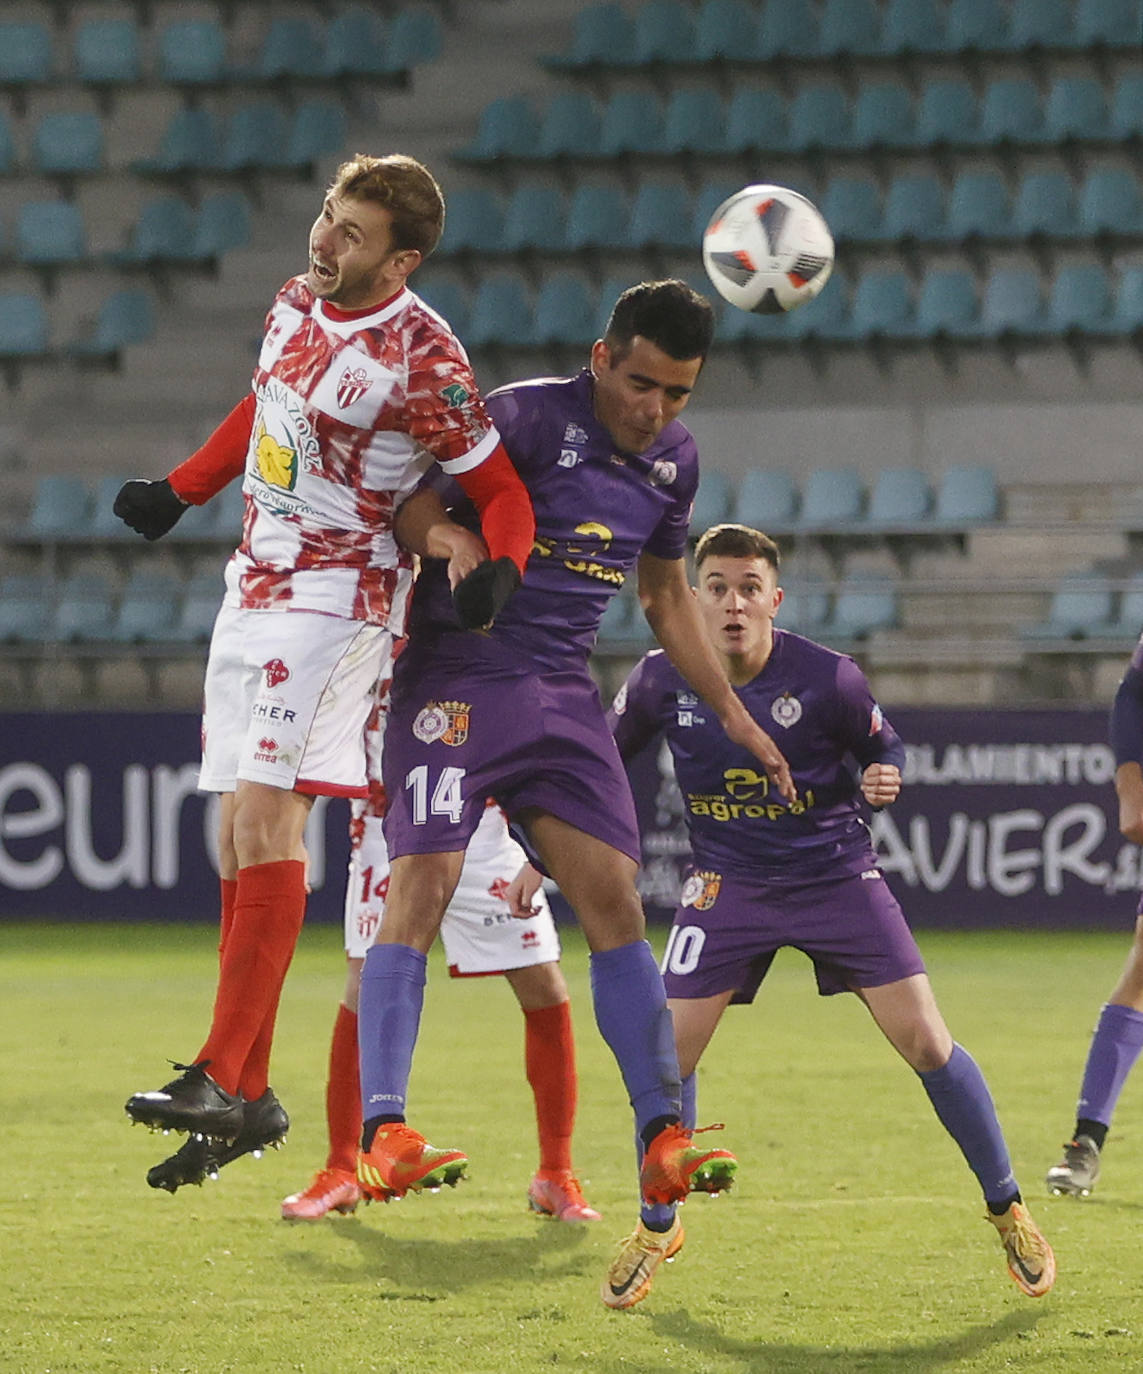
767	249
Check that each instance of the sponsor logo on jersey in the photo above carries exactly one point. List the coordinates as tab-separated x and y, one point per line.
871	874
786	710
663	473
455	395
701	890
447	721
277	463
685	714
276	672
353	383
568	458
267	751
574	435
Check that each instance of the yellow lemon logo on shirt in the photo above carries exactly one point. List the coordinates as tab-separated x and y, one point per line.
277	464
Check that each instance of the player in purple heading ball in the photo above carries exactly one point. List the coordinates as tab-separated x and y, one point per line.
513	713
1118	1037
767	872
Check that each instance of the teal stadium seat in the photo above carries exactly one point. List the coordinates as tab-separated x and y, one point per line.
27	57
1075	111
976	25
163	233
319	129
598	215
192	52
823	318
947	114
84	611
1129	617
615	625
978	207
820	120
106	52
786	28
1011	112
899	497
126	317
725	31
256	139
414	38
632	123
507	128
849	28
713	501
474	222
147	610
569	128
287	50
709	196
767	499
535	219
189	143
1125	116
1128	316
664	31
1108	24
947	305
882	306
564	313
602	35
967	494
1043	24
7	146
194	620
354	46
1045	206
25	607
102	523
501	312
852	208
832	498
1110	203
864	603
50	233
913	28
68	143
1011	304
805	608
61	507
1080	301
1082	605
884	118
755	121
449	299
694	121
914	209
660	217
223	223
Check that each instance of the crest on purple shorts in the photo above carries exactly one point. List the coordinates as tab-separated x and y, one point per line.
701	890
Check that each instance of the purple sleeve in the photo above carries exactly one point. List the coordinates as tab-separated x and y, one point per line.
1126	725
632	718
669	538
863	729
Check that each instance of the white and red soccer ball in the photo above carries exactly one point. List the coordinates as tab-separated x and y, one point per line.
767	249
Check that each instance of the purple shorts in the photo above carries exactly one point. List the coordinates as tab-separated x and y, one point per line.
727	930
459	735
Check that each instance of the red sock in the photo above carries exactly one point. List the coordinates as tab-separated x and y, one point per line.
549	1058
227	888
343	1093
269	905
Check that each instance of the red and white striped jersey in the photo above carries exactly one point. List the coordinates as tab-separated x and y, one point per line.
350	412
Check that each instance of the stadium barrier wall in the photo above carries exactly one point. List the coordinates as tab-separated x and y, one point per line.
1007	819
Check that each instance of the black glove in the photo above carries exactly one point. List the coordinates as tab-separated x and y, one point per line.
480	596
149	508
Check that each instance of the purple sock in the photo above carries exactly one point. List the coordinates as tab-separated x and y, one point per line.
659	1216
388	1018
632	1016
1114	1049
961	1100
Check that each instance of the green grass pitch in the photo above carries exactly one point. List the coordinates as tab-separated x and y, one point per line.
853	1242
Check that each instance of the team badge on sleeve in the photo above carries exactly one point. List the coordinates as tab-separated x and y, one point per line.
876	720
701	890
786	710
447	721
276	672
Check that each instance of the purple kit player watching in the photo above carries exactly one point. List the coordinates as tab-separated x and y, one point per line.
768	873
1118	1036
514	714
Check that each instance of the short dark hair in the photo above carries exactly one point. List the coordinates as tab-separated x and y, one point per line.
736	541
670	314
405	187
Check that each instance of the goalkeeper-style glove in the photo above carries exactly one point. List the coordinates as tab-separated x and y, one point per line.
480	596
149	508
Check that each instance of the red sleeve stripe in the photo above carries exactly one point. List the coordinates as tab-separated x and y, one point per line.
219	461
506	518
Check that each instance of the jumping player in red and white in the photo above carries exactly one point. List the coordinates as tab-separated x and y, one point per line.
498	922
358	389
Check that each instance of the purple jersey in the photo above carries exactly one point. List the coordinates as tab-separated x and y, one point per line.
818	707
596	511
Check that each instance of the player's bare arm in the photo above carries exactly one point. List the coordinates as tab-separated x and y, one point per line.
423	526
673	616
1129	790
881	783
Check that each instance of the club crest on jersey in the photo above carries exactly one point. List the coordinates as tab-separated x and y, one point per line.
446	721
663	473
455	395
786	710
876	720
701	890
574	435
276	672
353	383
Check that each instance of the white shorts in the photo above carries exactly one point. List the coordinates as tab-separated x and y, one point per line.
286	698
478	934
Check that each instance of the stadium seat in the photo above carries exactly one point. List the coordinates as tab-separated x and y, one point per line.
913	28
1110	203
102	522
126	317
967	494
190	143
1125	116
192	52
25	607
786	28
755	120
1082	603
564	313
508	127
883	116
7	145
1128	316
825	316
448	298
603	35
820	119
354	46
106	52
257	138
194	620
616	623
882	306
976	25
914	208
1080	301
766	499
50	233
805	607
84	611
147	609
474	222
1129	615
713	501
864	602
26	55
632	123
68	143
900	496
61	507
725	31
1010	112
709	196
287	50
535	219
501	313
852	208
414	38
1107	24
831	497
978	207
222	223
745	327
664	30
24	331
1045	206
694	122
1075	111
947	114
660	217
1043	24
1011	304
849	28
163	233
947	304
319	129
598	215
570	127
